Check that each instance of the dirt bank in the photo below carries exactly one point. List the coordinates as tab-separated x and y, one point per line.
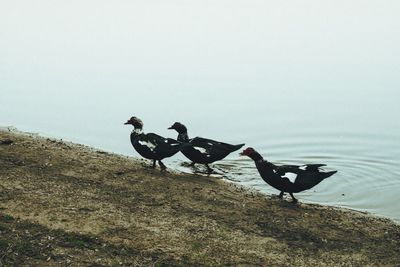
66	204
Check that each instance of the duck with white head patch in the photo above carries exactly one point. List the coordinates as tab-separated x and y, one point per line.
202	150
288	178
152	146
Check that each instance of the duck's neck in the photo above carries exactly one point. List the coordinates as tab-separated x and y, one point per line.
256	157
183	137
137	131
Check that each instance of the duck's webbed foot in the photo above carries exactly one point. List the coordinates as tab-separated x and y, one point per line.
294	200
192	164
162	166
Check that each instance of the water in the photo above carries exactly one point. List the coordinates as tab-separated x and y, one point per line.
301	84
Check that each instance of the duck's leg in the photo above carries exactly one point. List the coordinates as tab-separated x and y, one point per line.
294	200
209	170
192	164
154	163
281	194
162	166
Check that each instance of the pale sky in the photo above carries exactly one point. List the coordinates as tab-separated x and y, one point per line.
202	39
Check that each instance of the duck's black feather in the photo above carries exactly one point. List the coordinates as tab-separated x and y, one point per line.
152	146
306	176
216	150
203	150
308	180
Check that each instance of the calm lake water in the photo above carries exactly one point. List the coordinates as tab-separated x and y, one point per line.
310	83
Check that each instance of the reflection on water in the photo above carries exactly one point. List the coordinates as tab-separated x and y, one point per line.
300	83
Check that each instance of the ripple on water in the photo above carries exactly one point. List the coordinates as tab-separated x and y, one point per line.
368	167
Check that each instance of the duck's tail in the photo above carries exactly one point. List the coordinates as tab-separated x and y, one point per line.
328	174
236	147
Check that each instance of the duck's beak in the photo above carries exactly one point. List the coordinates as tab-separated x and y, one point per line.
128	122
171	128
242	153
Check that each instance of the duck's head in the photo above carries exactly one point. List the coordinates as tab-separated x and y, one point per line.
179	127
252	153
248	152
136	122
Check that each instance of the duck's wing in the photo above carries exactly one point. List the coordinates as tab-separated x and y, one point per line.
303	176
282	169
289	177
202	145
305	182
155	142
298	169
270	171
149	141
213	147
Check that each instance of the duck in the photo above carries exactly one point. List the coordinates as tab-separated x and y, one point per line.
288	178
150	145
203	150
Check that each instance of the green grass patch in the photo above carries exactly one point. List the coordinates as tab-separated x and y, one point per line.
6	218
26	248
197	246
3	244
78	241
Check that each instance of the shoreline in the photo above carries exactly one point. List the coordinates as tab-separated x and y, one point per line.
91	199
180	172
